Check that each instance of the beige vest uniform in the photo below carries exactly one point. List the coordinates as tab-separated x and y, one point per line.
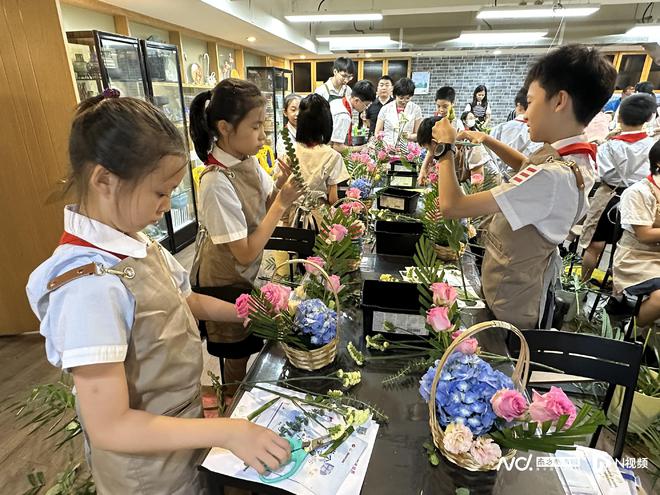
634	261
163	367
520	265
597	206
214	265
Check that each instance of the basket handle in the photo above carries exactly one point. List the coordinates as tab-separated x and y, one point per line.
520	372
323	273
346	199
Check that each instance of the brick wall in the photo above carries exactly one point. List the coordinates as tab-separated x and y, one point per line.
503	75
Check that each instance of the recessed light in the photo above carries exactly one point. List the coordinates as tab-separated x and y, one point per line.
497	52
500	37
334	17
303	56
368	55
251	39
419	54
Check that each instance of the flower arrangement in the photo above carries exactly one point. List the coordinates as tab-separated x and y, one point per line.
338	241
362	186
361	165
478	414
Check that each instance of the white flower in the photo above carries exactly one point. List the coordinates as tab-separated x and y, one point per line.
457	439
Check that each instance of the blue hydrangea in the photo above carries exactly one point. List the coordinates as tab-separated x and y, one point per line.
364	186
465	388
316	319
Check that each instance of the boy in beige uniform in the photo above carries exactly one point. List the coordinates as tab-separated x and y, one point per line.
534	212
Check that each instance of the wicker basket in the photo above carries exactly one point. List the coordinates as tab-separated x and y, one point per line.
519	377
445	253
316	358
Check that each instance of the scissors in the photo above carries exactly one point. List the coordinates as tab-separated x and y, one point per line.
299	452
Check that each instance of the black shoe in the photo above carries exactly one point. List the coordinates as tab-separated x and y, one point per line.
618	308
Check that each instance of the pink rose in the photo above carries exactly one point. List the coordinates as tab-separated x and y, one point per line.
382	155
337	233
410	157
355	156
353	193
433	177
243	306
314	259
356	207
477	179
443	294
457	438
277	295
468	346
371	166
508	404
334	284
438	318
346	208
485	451
552	405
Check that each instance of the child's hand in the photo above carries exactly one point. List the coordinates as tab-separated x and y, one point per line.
422	177
444	132
290	191
476	137
259	447
284	172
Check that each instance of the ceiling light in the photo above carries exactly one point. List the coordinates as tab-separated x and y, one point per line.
645	31
368	55
499	37
334	17
365	42
251	39
497	52
537	11
303	57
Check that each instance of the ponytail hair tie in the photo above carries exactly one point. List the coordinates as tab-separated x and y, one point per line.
111	93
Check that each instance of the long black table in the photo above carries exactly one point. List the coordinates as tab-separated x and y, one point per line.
399	464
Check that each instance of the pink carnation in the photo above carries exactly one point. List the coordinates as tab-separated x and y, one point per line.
371	166
334	284
457	438
243	306
382	155
438	318
468	346
317	260
355	156
485	451
277	295
477	179
337	233
410	157
551	405
433	177
353	193
509	404
443	294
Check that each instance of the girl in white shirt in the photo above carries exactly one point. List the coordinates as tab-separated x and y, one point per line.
291	104
400	118
118	313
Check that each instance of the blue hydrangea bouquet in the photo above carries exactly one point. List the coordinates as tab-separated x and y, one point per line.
479	415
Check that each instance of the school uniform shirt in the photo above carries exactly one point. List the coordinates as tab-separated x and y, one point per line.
327	89
638	206
321	166
620	164
220	209
548	199
341	120
515	133
88	321
372	113
395	122
281	148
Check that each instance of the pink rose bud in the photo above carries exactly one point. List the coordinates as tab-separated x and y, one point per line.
551	405
243	306
353	193
438	318
509	404
443	294
410	157
477	179
334	284
311	268
337	233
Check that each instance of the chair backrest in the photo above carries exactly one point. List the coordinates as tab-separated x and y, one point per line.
612	361
299	241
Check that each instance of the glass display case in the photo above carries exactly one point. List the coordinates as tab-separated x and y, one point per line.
166	92
275	84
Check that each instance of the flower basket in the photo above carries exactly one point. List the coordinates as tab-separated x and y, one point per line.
519	377
316	358
445	253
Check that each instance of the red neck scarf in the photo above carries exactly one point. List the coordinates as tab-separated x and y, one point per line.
77	241
631	138
579	149
211	160
349	109
652	181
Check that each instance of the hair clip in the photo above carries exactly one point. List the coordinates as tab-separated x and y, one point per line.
111	93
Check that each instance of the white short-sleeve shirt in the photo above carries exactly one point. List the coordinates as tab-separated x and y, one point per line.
638	206
621	163
326	89
395	122
549	198
220	209
341	120
515	133
89	320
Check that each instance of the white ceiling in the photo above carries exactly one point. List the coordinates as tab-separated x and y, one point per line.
419	25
